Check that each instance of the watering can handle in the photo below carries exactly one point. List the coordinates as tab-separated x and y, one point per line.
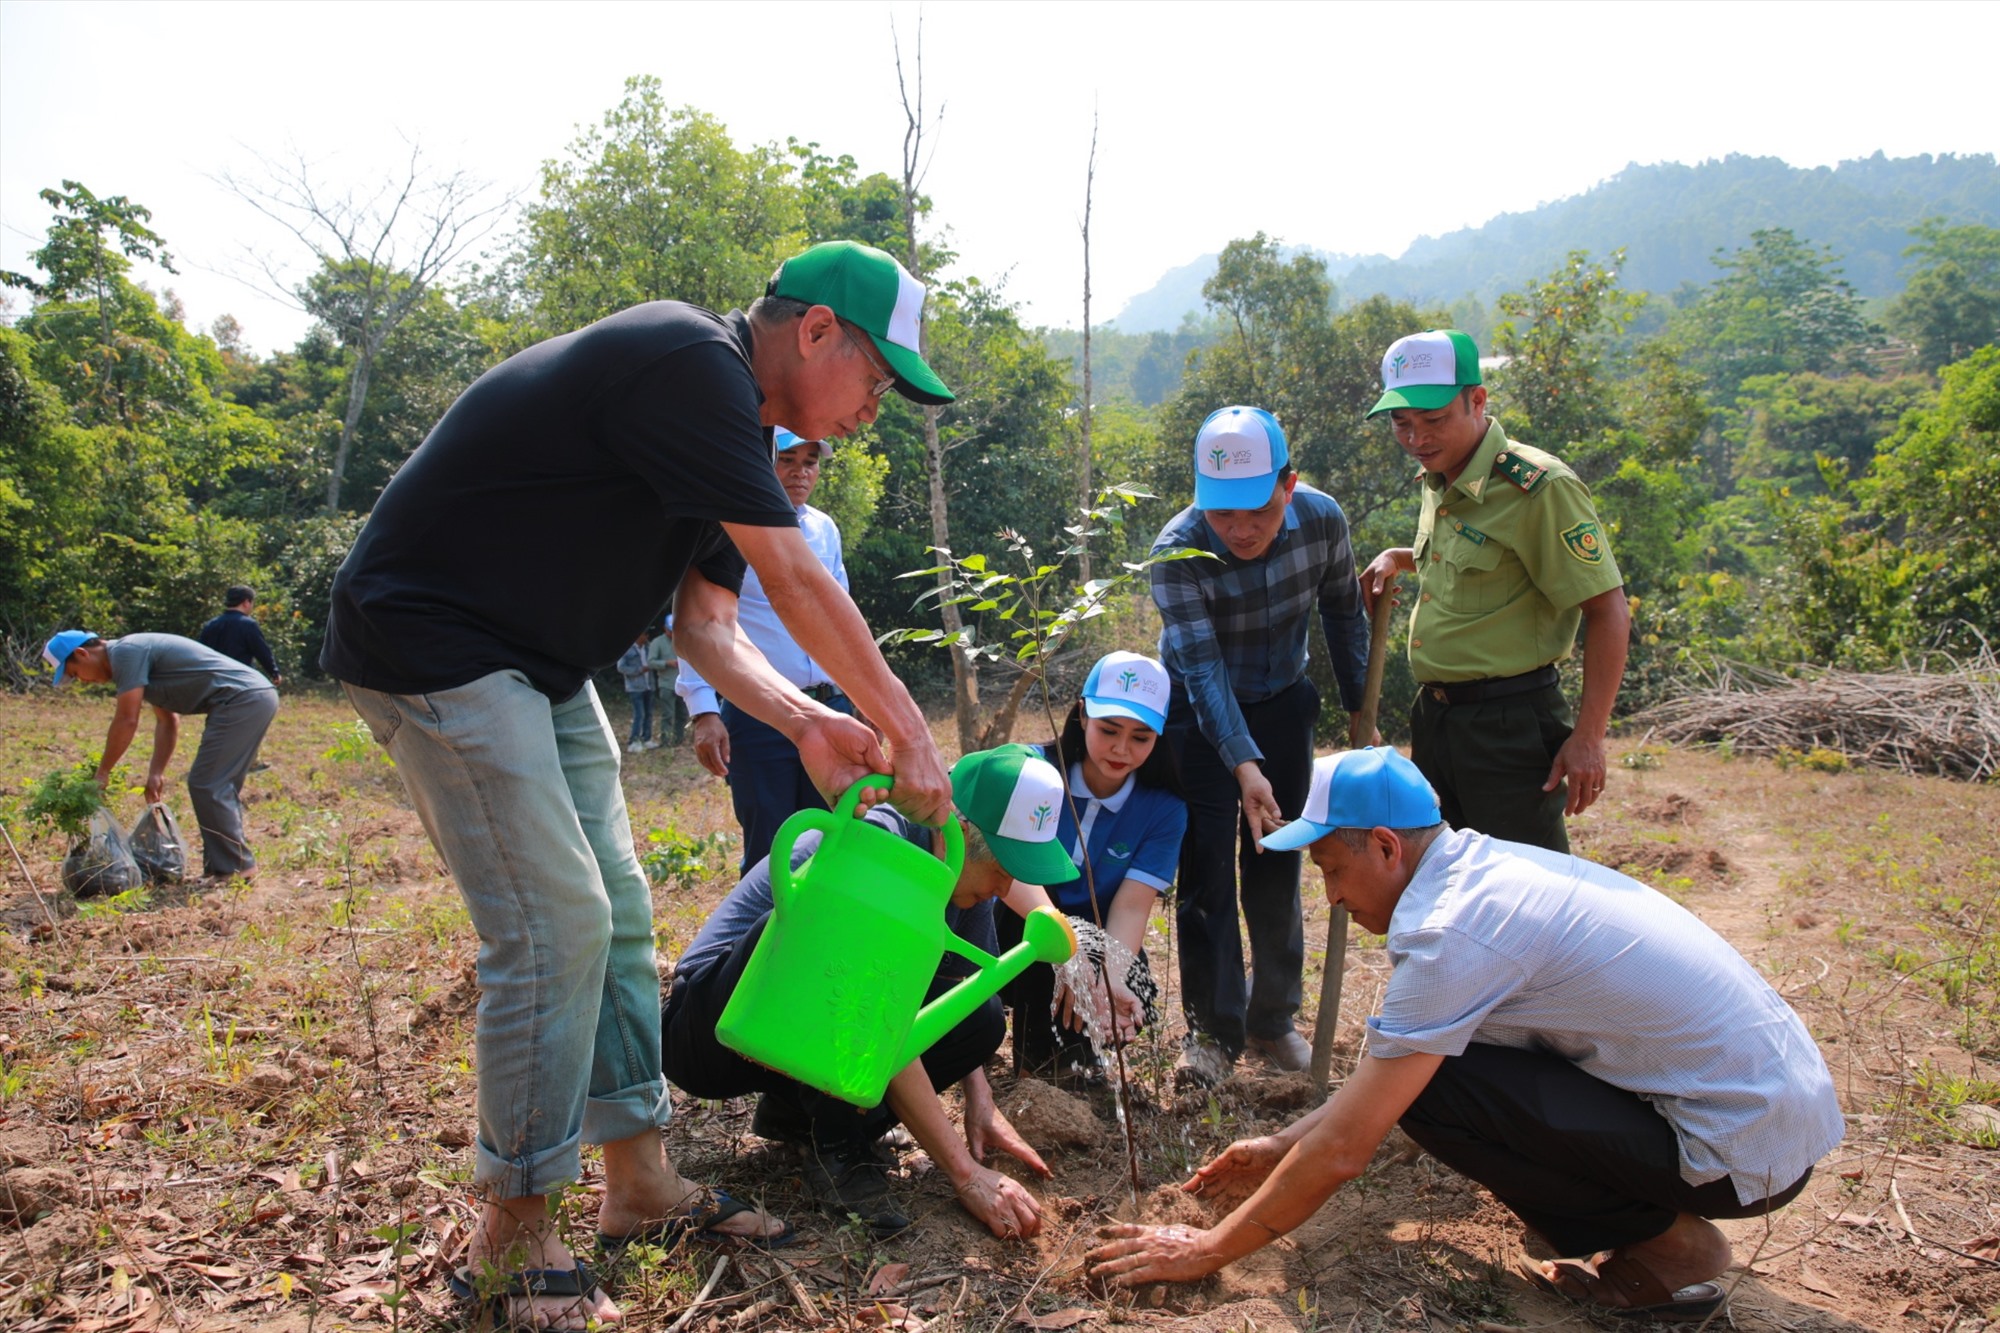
954	836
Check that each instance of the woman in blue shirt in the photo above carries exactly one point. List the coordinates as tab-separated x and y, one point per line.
1122	826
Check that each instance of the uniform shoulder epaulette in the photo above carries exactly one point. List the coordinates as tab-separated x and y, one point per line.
1527	467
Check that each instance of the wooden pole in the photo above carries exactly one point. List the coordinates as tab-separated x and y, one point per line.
1335	972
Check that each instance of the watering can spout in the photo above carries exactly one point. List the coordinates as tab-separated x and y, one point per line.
1046	937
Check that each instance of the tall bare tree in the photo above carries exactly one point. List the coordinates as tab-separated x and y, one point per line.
1083	417
377	253
964	668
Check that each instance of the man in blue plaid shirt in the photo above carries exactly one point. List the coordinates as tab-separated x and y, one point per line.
1241	723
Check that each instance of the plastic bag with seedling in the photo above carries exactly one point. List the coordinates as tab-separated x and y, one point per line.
99	863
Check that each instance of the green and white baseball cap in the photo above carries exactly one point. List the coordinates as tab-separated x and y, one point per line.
870	290
1014	796
1426	370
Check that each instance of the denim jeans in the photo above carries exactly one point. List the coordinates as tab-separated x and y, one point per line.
521	798
642	716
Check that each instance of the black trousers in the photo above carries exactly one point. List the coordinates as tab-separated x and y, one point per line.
1488	762
696	1062
1219	853
767	781
1588	1165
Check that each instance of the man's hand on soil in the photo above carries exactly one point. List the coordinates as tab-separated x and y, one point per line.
1008	1210
1133	1255
1237	1171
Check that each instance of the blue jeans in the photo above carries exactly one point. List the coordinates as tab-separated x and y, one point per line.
521	798
642	716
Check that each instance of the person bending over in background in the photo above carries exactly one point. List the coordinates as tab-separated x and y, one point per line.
177	676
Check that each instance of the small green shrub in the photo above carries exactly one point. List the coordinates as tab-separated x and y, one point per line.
680	860
65	799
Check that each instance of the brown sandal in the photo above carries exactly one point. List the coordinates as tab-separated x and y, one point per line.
1634	1291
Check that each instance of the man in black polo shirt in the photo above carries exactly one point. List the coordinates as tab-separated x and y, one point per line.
566	501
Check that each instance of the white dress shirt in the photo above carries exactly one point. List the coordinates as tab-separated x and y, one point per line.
760	622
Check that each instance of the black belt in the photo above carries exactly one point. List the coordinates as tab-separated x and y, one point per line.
827	693
1479	691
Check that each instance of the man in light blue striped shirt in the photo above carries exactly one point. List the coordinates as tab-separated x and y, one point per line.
1583	1046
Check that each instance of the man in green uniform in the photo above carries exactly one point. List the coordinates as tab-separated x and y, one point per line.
1509	558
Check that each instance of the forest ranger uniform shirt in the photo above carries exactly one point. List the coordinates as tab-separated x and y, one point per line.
1506	555
552	511
1511	945
178	674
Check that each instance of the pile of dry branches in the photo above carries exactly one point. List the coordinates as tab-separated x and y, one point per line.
1918	722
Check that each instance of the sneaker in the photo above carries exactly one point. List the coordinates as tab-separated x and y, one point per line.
1203	1063
1290	1052
652	745
848	1180
634	748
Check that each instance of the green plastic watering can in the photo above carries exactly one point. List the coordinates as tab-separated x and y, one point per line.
833	995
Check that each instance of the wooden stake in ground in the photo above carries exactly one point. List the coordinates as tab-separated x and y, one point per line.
1335	971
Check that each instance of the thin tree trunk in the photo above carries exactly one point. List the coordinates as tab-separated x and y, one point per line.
1089	183
964	670
357	398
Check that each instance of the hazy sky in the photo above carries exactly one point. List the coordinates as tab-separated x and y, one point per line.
1348	127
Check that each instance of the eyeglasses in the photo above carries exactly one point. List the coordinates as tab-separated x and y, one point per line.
888	380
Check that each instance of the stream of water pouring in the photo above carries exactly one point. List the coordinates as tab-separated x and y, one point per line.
1084	976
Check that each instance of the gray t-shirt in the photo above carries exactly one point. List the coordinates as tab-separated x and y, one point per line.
179	674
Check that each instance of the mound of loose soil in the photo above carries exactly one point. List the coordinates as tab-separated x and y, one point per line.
1642	857
1048	1117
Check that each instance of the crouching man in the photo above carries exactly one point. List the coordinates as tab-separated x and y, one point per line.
1604	1063
845	1163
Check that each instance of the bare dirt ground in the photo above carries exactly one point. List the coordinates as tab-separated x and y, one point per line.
250	1109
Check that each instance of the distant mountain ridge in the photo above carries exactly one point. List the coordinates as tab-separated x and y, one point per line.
1671	218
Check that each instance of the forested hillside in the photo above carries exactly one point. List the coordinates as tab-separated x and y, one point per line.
1669	218
1790	474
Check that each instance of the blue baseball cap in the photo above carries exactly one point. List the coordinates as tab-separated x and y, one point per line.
1238	453
1127	685
782	439
58	649
1369	788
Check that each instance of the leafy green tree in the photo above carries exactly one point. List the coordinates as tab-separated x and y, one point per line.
1936	488
1556	338
656	204
1781	306
1795	426
1952	303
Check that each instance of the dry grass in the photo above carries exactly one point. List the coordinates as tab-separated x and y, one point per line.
250	1110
